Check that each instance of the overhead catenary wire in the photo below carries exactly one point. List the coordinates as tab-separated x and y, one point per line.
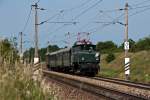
83	12
88	23
135	13
143	2
27	21
74	18
63	22
59	28
121	16
141	11
121	9
139	7
38	1
106	14
105	23
50	18
116	20
100	27
65	10
79	6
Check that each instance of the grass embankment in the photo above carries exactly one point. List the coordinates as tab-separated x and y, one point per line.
140	66
16	84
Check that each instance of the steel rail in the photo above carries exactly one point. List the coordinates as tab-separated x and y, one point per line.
124	82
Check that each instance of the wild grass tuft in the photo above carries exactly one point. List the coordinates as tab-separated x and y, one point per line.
16	84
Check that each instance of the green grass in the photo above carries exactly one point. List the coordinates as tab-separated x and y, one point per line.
140	66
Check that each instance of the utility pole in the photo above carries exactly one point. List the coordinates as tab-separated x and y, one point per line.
36	56
1	49
48	47
126	45
21	46
21	42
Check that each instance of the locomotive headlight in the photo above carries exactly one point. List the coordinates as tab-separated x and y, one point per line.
83	58
97	55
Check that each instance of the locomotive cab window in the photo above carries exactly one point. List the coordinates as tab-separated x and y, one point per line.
77	48
88	47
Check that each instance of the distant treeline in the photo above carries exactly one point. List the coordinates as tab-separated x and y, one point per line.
111	47
29	54
102	47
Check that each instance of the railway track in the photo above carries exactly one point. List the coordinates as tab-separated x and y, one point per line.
110	88
124	82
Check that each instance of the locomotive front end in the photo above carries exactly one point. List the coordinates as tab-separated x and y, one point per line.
86	59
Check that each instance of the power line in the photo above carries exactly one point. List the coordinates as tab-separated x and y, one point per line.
27	21
141	11
50	18
100	28
70	23
139	7
88	23
106	14
62	22
79	6
38	1
141	3
120	16
121	9
59	28
64	10
83	12
35	1
110	11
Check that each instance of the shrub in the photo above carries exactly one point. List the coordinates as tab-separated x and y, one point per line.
110	57
106	47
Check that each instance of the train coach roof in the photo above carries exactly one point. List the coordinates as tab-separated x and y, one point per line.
59	51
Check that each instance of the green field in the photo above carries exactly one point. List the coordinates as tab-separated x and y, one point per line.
140	66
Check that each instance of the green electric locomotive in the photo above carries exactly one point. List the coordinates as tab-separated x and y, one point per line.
80	58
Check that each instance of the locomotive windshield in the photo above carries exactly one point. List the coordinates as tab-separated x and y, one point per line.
88	47
85	47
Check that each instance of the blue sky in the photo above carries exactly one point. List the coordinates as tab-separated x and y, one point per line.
13	15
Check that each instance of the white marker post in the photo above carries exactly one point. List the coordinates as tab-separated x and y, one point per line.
126	45
127	67
127	61
36	60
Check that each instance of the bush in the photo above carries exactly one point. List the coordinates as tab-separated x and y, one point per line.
110	57
106	47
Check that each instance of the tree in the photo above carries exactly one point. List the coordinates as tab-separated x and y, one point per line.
8	51
29	54
106	47
43	51
143	44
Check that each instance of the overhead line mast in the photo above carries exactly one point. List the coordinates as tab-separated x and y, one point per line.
36	56
21	47
126	45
